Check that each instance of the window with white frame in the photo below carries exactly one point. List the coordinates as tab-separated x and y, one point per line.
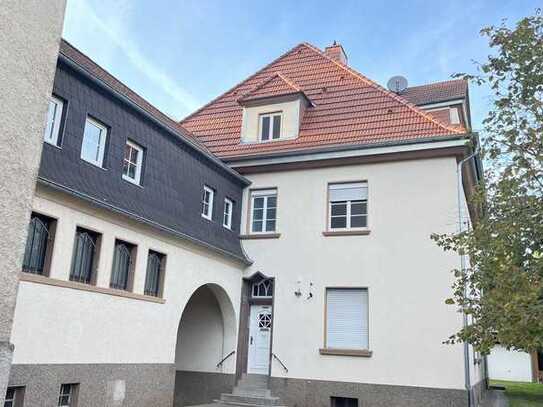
94	142
207	202
132	163
227	216
348	205
270	126
68	395
54	117
347	318
263	211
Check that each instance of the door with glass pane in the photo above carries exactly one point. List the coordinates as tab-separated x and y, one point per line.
260	324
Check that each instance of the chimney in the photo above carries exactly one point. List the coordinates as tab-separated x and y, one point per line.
337	53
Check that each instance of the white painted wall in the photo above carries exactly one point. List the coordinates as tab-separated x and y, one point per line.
200	337
63	325
290	123
408	276
511	365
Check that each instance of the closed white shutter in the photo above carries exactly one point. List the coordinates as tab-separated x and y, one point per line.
347	318
357	191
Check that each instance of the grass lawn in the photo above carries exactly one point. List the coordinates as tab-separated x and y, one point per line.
522	394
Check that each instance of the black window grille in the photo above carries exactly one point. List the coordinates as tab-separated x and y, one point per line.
37	242
67	395
85	250
344	402
122	262
154	270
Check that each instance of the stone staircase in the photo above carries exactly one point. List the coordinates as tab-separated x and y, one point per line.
251	391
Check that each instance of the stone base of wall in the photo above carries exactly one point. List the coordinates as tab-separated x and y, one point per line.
193	388
108	385
317	393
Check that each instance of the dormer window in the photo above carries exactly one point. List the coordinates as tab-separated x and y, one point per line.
270	126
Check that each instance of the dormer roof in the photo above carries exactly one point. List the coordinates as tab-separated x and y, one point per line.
277	85
350	110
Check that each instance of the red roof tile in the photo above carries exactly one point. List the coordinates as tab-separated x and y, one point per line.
349	109
275	85
436	92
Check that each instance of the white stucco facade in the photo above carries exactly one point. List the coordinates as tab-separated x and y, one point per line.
510	365
408	277
78	326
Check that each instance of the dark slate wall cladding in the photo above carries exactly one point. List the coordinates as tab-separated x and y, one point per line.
173	175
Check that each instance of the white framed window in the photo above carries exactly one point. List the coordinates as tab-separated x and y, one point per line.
270	126
207	202
54	117
348	206
227	216
347	318
132	163
263	211
94	142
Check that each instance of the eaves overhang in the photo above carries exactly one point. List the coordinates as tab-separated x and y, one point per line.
347	151
135	217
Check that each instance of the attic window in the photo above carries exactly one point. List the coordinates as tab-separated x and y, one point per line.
270	126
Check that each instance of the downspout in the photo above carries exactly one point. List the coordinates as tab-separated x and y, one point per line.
467	375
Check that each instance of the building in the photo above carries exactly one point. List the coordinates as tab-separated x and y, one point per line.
515	366
29	37
271	249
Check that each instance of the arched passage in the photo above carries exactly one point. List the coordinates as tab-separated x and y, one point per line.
206	334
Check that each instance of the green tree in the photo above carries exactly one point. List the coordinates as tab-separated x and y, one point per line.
502	288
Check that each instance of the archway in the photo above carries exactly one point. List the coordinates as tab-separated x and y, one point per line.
206	335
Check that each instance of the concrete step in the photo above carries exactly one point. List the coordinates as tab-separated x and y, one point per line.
253	380
251	391
251	400
220	403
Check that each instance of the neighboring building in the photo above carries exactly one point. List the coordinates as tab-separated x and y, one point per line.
130	230
29	37
514	366
349	180
155	274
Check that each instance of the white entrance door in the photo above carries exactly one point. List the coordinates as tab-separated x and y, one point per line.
260	324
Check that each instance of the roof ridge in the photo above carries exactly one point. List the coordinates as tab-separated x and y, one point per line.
174	125
240	83
439	83
266	81
378	87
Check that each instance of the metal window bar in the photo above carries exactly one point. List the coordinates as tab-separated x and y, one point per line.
36	246
122	260
152	280
83	260
65	396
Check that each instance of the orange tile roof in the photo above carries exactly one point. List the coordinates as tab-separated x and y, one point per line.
350	109
275	85
436	92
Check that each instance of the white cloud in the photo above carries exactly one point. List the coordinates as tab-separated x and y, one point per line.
105	36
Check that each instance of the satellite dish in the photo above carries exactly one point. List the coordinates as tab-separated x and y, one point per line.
397	84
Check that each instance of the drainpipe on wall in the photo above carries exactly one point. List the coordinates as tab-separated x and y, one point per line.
467	375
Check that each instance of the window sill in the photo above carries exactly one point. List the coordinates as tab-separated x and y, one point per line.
132	182
260	236
361	232
39	279
363	353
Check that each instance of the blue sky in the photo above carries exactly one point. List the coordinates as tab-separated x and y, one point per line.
181	54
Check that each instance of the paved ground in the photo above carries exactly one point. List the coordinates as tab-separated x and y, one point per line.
495	398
